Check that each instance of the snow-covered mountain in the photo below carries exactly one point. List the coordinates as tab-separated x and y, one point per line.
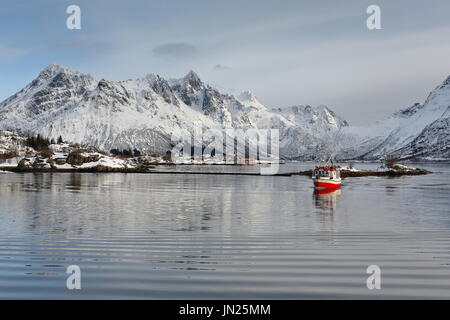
143	113
420	131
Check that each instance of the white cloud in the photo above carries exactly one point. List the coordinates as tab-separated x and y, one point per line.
221	67
175	50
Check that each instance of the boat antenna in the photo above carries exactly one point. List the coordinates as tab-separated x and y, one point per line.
331	145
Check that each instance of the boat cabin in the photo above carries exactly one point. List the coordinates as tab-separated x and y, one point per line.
326	172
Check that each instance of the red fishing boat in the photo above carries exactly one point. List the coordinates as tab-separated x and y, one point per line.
326	177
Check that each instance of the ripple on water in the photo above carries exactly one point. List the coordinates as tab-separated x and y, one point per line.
184	236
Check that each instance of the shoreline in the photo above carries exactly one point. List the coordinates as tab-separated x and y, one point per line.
150	170
366	173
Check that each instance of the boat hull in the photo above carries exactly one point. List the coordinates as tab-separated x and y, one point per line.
327	184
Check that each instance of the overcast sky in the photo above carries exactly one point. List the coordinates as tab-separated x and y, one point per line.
286	52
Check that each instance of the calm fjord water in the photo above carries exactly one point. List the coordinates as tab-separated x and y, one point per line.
208	236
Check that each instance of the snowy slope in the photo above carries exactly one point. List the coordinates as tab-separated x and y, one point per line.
143	113
12	142
420	131
12	148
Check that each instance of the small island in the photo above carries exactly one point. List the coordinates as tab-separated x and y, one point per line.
388	169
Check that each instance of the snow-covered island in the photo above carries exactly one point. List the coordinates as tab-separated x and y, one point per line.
389	168
21	153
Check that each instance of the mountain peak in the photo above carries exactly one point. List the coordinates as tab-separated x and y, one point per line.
152	77
53	70
194	80
331	117
191	74
54	65
247	98
247	95
324	107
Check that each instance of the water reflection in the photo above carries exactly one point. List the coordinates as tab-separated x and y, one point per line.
326	200
204	236
86	204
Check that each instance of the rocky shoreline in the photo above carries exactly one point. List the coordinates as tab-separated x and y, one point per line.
150	170
35	154
80	170
367	173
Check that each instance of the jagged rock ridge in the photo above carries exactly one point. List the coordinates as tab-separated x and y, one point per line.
143	113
